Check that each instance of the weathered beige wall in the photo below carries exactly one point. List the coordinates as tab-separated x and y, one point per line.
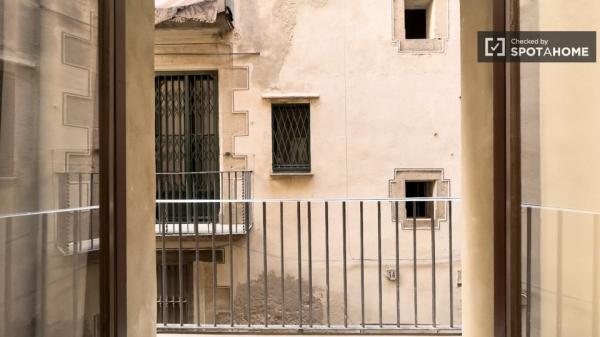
399	110
478	244
141	249
375	105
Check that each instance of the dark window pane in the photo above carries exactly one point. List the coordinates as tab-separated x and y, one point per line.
419	189
415	23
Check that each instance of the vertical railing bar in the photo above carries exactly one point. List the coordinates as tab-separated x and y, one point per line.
327	262
182	180
159	223
397	267
247	221
310	289
281	238
213	218
90	203
231	315
80	238
265	283
414	231
196	256
433	283
42	280
249	189
450	262
235	196
362	266
76	250
528	275
172	124
173	161
163	146
199	114
299	263
164	260
228	185
159	112
379	264
187	146
221	176
207	181
344	264
174	215
80	202
180	258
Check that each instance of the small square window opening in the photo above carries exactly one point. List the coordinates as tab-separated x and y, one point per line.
419	189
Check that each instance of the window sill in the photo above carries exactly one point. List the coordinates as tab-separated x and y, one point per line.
291	174
435	45
422	223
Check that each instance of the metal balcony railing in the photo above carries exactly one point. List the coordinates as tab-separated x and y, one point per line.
560	256
215	185
311	265
77	231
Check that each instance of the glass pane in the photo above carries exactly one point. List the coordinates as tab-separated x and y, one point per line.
49	181
561	158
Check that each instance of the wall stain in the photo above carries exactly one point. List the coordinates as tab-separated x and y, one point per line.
270	34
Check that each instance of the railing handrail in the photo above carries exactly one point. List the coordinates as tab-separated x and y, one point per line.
51	211
560	209
333	199
201	172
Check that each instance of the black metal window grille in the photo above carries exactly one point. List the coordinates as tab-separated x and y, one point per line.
187	140
419	189
291	137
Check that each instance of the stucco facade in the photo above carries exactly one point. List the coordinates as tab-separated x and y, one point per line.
379	113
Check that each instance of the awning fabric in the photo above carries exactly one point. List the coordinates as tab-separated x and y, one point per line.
184	10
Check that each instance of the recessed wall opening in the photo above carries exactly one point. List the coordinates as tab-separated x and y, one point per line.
415	23
419	189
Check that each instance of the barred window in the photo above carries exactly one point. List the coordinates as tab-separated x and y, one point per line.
291	137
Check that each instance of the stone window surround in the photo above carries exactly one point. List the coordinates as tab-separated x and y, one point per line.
437	26
441	189
286	97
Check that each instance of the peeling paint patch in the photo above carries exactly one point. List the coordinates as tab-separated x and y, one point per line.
275	308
